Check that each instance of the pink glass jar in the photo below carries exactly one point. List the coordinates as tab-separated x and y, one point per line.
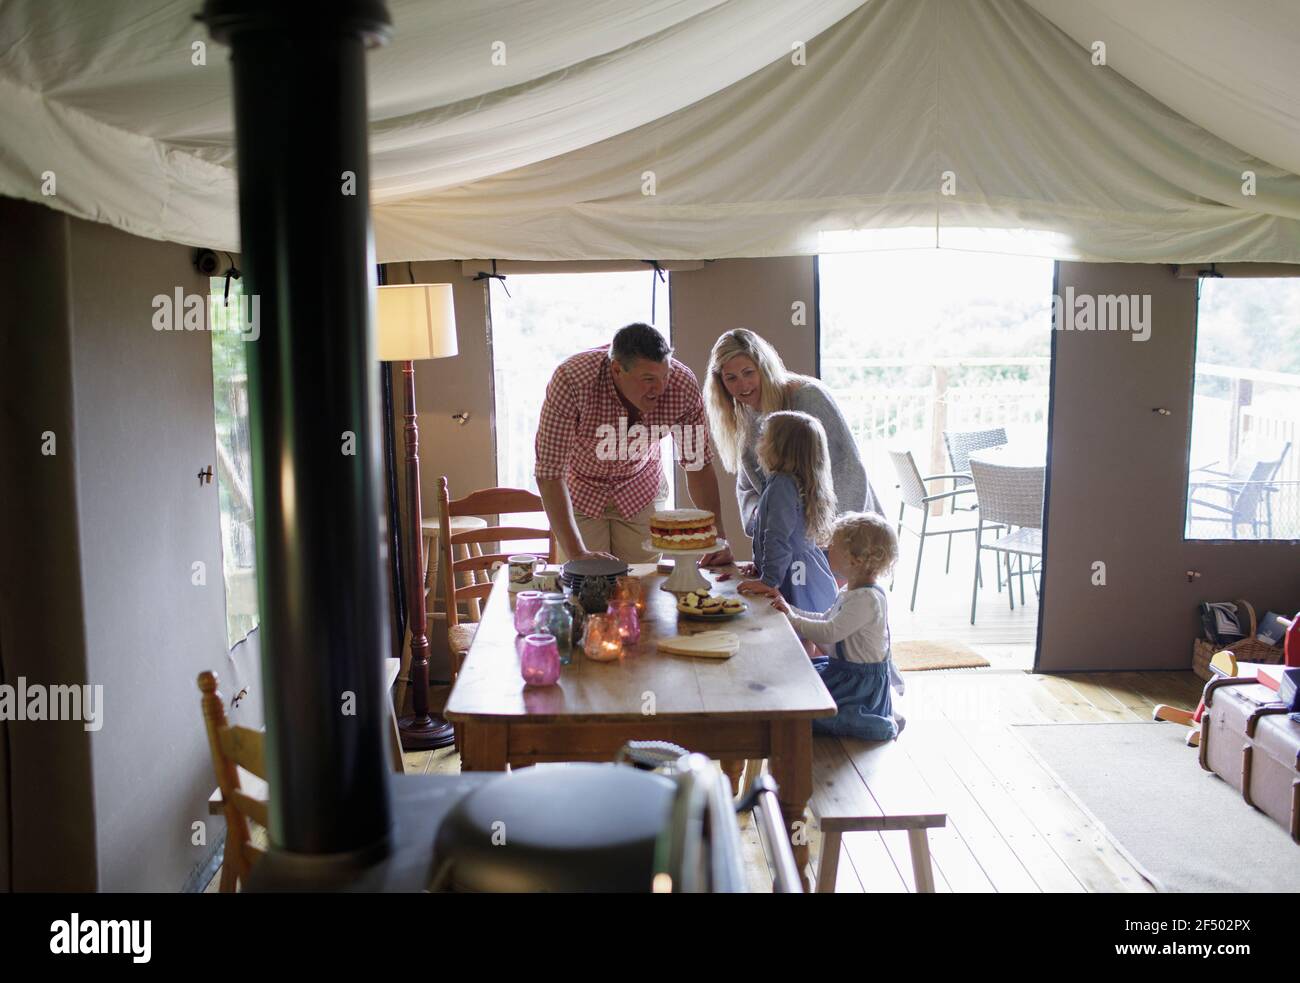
539	663
629	622
527	604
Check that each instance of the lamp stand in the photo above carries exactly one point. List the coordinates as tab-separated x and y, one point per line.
422	730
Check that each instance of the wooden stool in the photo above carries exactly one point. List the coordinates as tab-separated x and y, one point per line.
860	787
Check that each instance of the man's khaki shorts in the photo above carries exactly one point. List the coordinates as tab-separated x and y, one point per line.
619	535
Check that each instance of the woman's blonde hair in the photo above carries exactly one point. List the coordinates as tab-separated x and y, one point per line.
729	421
869	539
794	443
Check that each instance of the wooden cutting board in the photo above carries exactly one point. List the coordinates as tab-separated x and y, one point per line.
705	644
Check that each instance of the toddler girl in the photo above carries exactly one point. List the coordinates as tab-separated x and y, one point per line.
863	548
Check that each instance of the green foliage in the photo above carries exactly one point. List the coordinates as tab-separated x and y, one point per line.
230	406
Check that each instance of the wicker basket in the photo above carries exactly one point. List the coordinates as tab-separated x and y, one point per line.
1248	649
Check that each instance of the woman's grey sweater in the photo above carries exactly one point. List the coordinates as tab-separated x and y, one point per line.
853	490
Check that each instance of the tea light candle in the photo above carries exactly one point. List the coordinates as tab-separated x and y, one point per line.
630	588
527	604
629	622
602	641
539	663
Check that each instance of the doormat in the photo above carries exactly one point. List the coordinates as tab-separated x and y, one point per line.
923	656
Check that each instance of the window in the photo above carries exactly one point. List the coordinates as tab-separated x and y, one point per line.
918	342
545	319
234	460
1243	480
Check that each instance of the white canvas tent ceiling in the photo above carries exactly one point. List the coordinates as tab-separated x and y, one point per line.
545	156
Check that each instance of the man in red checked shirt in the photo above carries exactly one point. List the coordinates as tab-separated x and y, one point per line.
598	467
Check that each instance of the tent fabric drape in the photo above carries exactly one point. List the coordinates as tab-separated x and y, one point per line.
698	129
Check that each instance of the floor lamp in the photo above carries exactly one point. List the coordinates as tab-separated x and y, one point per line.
417	321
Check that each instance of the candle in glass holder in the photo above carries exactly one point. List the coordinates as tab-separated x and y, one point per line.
539	663
630	588
629	622
527	604
601	640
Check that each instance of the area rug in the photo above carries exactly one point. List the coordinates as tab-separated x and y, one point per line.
921	656
1185	828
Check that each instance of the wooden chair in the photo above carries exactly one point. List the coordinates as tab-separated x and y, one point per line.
489	501
233	749
239	762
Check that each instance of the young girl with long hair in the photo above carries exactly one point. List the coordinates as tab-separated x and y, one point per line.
794	514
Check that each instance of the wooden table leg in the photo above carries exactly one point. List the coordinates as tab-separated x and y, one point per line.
790	763
828	864
485	746
921	868
733	768
753	768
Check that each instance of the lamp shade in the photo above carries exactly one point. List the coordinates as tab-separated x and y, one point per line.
416	321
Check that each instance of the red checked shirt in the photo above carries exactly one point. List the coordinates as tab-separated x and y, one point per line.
584	435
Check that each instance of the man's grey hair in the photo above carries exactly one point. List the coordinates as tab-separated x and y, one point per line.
638	341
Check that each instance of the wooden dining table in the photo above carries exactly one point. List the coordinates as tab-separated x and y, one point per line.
759	703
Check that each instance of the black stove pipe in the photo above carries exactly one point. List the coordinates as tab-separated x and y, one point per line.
300	127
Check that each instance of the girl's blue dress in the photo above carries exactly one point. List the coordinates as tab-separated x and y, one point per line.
863	702
786	559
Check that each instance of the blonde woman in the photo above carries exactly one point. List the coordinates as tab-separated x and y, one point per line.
794	514
747	381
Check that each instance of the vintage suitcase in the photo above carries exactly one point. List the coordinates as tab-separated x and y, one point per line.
1249	740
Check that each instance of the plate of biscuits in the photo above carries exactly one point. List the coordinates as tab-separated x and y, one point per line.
702	605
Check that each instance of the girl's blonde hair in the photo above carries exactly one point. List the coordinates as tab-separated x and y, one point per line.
729	421
869	539
794	443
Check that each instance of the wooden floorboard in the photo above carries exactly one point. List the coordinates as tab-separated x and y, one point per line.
927	748
874	865
1048	870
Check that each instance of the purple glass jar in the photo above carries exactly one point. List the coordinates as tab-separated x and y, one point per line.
539	663
527	604
629	622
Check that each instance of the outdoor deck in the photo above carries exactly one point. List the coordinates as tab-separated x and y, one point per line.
1005	637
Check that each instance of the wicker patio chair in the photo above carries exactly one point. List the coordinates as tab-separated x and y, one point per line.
1238	496
915	494
962	443
1013	497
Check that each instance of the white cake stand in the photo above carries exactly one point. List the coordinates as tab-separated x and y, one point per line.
685	577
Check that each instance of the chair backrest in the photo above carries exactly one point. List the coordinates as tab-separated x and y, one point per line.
961	443
489	501
909	478
1250	492
1243	467
233	748
1009	494
1279	459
